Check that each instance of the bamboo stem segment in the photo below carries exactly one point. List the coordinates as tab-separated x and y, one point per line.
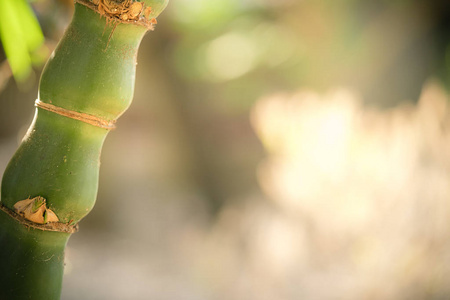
31	261
90	82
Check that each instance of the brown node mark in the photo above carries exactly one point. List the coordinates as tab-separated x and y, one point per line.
116	12
126	10
35	210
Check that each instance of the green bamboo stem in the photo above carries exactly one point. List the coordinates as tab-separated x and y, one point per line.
32	261
91	72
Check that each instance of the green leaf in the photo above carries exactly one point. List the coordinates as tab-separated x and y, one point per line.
21	37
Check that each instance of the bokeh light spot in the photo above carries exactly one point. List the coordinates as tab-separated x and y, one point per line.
230	56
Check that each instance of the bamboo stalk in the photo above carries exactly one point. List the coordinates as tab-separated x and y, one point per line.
51	182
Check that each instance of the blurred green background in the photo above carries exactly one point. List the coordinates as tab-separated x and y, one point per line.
275	149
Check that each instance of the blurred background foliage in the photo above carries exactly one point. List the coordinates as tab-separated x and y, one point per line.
275	149
21	37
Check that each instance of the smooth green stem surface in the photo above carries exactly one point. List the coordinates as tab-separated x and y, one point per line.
31	261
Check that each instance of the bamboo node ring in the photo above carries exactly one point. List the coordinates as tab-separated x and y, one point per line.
54	226
83	117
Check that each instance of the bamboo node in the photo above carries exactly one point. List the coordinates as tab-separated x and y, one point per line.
35	210
49	226
122	11
83	117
